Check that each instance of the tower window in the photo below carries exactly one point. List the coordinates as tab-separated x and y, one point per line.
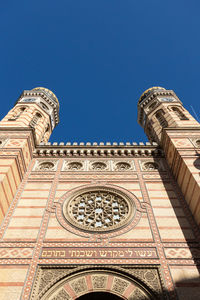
35	120
179	113
152	106
17	113
161	119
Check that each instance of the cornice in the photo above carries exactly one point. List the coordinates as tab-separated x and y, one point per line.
88	150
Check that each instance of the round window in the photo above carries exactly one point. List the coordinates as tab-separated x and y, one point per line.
99	210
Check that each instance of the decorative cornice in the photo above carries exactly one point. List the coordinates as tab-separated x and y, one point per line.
96	150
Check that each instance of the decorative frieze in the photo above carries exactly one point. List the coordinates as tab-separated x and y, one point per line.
99	166
86	165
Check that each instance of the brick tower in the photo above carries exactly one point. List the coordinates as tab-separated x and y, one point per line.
30	122
166	121
99	221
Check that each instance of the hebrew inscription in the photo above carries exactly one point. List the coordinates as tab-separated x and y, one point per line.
99	253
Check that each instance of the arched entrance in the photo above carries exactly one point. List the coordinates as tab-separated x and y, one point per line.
99	296
90	282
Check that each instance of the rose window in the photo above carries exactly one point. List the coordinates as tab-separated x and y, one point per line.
100	210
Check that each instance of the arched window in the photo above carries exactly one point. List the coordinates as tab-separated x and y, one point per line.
179	113
35	120
17	113
161	119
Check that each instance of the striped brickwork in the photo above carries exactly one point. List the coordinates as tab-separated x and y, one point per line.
32	233
172	119
183	158
25	118
154	255
15	156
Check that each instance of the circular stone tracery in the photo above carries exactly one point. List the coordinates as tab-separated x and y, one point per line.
98	210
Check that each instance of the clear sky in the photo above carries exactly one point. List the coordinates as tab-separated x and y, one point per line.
98	56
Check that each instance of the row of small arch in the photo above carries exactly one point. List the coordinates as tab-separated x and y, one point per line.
103	152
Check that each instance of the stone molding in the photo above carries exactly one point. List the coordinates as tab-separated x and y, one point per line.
120	166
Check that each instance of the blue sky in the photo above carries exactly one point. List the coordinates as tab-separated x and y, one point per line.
98	56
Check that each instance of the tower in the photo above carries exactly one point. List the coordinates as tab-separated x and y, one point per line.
99	220
26	125
166	121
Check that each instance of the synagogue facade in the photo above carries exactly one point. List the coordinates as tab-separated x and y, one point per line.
114	221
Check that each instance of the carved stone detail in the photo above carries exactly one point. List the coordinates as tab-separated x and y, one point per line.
150	165
138	295
98	166
99	281
73	166
122	166
50	280
119	285
97	210
45	165
150	277
62	295
49	275
79	285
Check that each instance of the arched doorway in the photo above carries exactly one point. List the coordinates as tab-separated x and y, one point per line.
99	296
96	282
